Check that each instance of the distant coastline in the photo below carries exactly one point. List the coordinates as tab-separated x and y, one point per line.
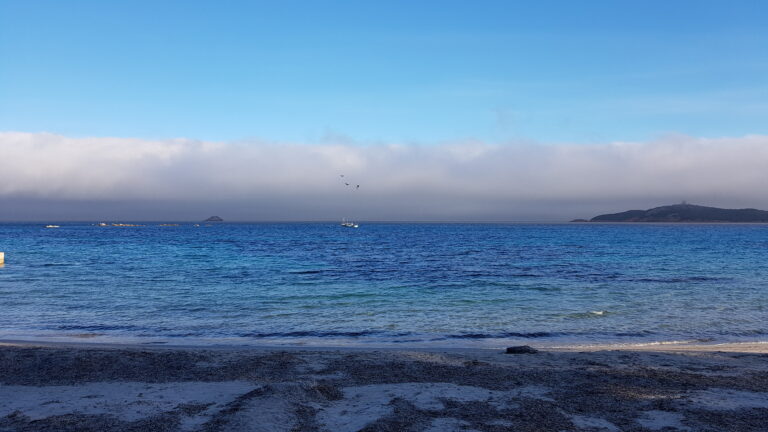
684	213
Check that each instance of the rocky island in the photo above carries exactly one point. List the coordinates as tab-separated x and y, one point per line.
686	213
214	219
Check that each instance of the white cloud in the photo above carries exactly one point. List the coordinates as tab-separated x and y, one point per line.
453	181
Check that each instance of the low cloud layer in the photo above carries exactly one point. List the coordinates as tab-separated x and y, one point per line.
52	177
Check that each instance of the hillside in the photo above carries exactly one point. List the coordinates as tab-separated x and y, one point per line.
685	213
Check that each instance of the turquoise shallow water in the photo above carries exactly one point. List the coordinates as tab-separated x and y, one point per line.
404	284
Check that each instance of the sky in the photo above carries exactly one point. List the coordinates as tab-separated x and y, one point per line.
442	110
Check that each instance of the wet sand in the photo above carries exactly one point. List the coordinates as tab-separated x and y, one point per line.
97	387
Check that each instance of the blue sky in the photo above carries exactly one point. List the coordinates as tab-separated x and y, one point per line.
402	71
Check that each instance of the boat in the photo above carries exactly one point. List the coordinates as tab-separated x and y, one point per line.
52	226
346	224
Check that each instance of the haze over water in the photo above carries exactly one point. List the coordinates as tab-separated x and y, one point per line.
405	284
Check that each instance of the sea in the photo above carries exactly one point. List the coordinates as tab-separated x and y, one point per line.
384	284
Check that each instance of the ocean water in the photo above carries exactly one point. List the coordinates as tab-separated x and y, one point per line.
385	284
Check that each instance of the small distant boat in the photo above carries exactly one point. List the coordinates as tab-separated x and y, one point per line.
346	224
52	226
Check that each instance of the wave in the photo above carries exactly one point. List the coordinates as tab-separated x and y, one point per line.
312	333
531	335
679	279
98	327
589	314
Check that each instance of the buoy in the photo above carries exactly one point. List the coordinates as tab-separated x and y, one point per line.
2	258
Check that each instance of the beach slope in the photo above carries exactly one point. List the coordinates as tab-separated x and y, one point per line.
97	388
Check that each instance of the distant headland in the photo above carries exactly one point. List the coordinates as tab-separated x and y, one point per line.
684	213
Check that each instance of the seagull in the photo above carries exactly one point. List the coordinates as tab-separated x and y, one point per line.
346	183
358	187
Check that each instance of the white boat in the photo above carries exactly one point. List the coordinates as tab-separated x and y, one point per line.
52	226
346	224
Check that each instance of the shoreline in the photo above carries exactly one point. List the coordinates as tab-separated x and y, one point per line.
65	386
758	347
82	386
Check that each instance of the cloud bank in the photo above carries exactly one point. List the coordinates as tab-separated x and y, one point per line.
46	176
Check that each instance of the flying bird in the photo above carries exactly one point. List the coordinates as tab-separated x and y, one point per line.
347	183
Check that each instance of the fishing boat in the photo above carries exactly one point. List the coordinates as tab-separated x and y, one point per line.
346	224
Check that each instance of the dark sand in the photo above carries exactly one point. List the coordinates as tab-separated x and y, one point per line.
65	387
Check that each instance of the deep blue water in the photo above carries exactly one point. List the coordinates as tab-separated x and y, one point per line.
445	284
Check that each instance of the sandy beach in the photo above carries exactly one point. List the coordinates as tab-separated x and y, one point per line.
82	387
